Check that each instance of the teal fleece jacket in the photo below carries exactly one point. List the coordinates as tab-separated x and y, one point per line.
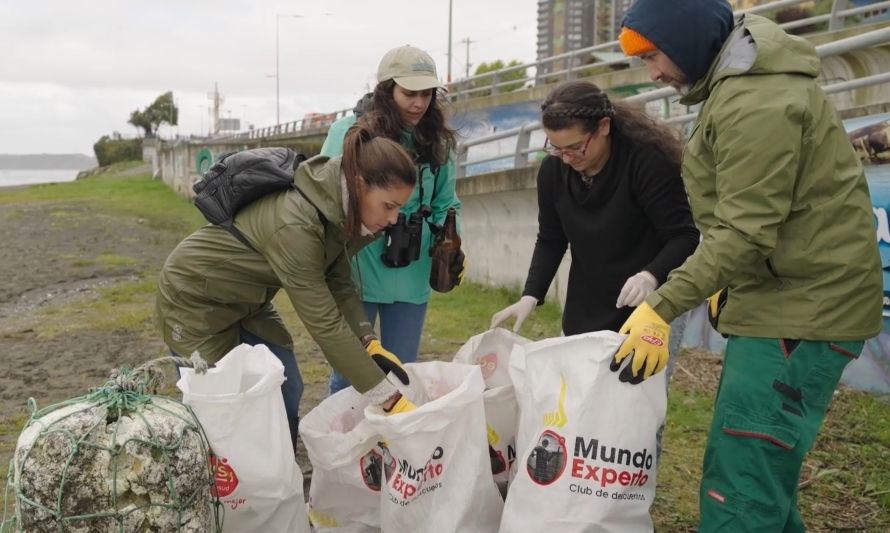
378	282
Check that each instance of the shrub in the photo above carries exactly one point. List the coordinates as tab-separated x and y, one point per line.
110	150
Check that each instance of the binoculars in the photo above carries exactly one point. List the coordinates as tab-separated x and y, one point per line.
403	240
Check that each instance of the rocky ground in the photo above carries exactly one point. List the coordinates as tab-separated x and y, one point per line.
52	257
57	263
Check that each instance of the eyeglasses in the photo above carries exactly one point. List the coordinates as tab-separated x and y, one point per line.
571	152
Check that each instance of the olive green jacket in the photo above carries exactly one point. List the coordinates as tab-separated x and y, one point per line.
211	283
780	199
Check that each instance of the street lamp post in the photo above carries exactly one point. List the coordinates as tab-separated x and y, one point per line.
449	41
277	83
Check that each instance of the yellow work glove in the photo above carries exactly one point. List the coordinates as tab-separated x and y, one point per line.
647	340
715	305
403	405
386	360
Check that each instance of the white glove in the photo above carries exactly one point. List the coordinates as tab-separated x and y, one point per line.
520	310
636	288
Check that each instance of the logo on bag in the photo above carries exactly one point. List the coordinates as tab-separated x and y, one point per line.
493	436
411	480
548	458
225	480
498	463
606	467
558	418
488	363
373	468
320	519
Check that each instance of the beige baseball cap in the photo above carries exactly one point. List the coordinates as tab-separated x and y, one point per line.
410	67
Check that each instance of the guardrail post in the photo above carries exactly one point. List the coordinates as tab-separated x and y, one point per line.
836	22
462	161
570	66
520	158
494	83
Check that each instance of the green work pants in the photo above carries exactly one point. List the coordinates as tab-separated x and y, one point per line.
770	403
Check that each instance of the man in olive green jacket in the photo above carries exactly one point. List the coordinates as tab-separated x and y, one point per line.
787	226
215	293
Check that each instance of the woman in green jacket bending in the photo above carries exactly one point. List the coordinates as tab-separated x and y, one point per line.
215	293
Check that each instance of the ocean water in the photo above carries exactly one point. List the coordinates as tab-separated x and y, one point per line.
14	176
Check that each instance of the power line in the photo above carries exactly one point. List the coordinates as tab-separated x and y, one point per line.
467	41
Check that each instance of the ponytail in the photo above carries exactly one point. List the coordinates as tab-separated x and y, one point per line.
380	162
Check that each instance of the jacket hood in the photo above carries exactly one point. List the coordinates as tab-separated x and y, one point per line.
689	32
757	46
319	180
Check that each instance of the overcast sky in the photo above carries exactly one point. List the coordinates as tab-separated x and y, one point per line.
72	71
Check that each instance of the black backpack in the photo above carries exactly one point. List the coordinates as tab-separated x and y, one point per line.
239	178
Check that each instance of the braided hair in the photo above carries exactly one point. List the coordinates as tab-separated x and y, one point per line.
581	103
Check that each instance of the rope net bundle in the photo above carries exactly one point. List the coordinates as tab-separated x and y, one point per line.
119	459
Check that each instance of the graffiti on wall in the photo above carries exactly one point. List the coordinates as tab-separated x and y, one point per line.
205	158
872	142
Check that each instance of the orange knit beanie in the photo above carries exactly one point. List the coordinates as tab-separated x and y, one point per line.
633	43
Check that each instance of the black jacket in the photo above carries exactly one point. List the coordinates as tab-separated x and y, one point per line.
634	216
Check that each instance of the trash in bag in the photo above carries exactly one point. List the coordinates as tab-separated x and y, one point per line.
347	465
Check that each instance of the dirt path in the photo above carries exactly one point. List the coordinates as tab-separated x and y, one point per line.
54	254
54	258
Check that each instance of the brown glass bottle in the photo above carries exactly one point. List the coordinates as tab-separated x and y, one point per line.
443	250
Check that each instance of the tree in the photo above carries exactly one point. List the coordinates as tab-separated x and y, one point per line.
518	74
162	110
140	120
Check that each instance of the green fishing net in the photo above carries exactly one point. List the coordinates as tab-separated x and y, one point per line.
119	459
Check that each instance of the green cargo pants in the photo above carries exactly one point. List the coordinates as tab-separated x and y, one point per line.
770	403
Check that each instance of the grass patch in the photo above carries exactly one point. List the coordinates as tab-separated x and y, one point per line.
106	259
313	372
453	317
139	196
124	305
9	431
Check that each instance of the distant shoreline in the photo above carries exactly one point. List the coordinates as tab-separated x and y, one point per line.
46	161
25	177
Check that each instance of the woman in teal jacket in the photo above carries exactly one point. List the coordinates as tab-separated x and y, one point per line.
396	287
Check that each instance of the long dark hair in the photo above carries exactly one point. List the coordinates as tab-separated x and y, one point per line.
381	162
433	137
581	103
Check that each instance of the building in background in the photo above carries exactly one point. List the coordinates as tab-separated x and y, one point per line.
567	25
744	4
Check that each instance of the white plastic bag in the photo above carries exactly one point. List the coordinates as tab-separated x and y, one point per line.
239	404
441	479
344	495
491	351
586	441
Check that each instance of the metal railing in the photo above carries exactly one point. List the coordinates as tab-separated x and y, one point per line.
303	124
569	65
524	132
572	64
